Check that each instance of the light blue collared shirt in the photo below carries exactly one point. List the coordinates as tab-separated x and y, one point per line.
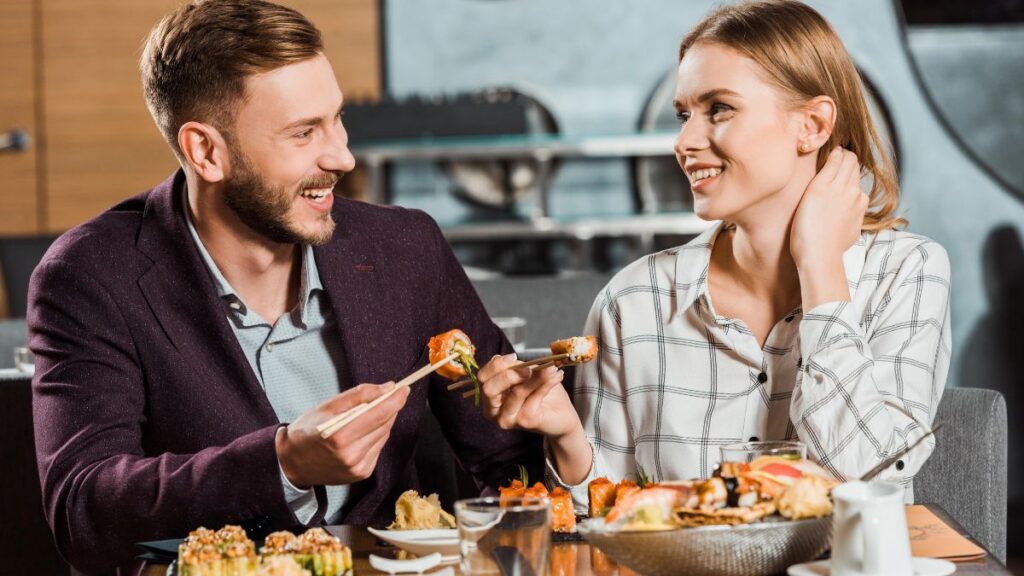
299	359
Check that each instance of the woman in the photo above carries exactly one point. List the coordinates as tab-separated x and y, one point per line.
803	314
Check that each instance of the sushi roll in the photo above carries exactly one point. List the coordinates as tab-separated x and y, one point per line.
625	488
563	517
456	342
579	348
513	491
281	543
453	342
281	566
226	552
602	496
536	492
321	553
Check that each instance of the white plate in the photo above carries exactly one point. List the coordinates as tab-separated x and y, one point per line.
423	542
416	566
922	567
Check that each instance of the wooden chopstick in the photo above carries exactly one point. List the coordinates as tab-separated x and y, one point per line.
329	427
471	393
535	361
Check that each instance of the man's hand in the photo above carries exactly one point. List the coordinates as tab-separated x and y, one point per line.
351	453
532	400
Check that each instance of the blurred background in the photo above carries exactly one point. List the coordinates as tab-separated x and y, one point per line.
539	135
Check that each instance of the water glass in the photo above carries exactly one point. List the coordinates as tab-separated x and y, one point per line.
24	360
512	536
514	328
747	451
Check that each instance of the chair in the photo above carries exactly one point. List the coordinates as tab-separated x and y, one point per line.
966	473
25	538
18	258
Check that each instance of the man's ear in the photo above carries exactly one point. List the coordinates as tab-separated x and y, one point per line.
205	150
818	120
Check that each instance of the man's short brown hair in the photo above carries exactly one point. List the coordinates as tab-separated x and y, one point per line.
196	60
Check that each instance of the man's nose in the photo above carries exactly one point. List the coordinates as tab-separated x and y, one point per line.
336	156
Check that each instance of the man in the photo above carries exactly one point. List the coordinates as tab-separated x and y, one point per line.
177	332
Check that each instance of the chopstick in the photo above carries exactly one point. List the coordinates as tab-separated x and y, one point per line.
329	427
471	393
535	361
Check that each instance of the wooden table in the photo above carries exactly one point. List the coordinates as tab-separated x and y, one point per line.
584	559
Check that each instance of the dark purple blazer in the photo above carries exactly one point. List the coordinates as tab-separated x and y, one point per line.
149	421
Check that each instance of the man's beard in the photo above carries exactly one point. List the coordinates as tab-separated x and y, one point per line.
264	208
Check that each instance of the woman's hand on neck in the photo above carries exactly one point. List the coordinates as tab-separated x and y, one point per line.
828	222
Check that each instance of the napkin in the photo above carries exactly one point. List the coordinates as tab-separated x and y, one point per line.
930	537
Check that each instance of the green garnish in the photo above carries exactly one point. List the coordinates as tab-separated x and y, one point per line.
524	475
642	479
469	364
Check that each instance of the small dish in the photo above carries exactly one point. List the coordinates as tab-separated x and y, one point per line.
414	566
423	542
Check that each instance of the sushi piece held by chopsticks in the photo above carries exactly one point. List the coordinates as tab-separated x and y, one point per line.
579	349
464	364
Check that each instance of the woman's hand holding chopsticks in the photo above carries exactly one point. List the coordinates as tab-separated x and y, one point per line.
518	396
533	399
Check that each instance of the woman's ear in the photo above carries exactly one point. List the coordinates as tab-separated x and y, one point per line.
818	119
205	150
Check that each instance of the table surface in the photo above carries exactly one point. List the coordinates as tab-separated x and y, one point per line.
586	559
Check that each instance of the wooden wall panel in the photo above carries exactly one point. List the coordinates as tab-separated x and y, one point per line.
351	32
18	184
102	144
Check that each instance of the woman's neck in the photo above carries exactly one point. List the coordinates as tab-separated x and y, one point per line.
753	253
758	261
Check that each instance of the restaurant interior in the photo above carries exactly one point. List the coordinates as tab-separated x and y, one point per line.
539	136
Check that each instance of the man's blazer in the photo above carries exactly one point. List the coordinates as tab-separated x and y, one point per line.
149	420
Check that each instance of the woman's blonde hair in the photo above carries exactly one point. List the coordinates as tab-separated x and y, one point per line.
802	55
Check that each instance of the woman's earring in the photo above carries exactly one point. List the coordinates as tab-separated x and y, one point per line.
805	147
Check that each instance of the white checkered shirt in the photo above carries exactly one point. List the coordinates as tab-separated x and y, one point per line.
856	381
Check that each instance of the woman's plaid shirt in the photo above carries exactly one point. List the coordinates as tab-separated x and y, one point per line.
856	381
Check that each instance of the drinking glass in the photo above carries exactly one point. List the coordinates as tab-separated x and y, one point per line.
24	360
514	328
747	451
504	537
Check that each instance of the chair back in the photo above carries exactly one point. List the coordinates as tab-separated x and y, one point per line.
25	537
18	258
554	307
966	473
